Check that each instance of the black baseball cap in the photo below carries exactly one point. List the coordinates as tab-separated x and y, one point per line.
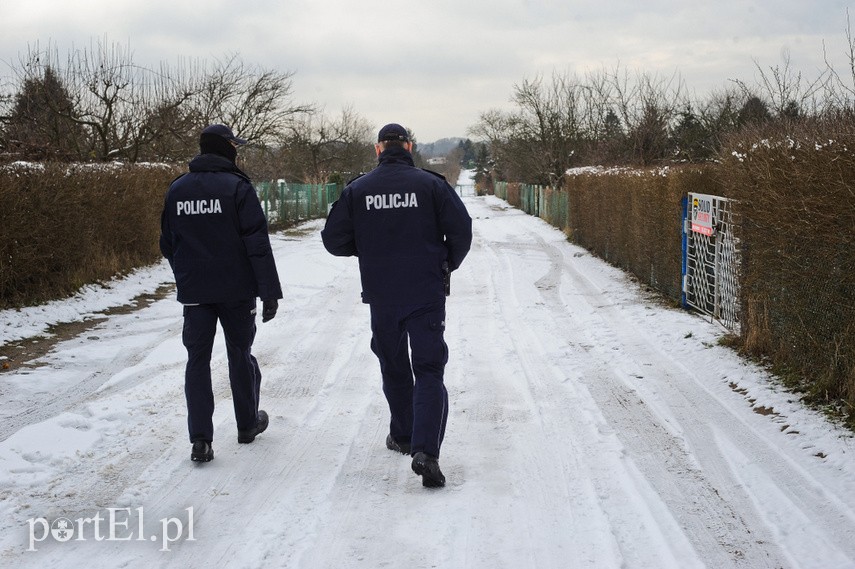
225	132
393	131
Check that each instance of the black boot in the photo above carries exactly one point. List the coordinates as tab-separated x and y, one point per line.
249	435
427	467
392	444
202	452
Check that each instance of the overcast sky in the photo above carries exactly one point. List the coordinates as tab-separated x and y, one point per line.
434	66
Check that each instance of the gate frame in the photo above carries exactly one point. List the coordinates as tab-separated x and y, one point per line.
715	290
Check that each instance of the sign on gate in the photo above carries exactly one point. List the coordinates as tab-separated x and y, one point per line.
702	214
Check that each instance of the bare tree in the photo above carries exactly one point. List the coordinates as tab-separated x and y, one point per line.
840	91
165	127
604	128
550	130
318	149
451	168
647	104
719	115
112	98
786	90
136	113
550	123
327	145
355	149
494	128
255	102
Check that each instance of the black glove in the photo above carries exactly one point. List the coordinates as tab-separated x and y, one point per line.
268	309
446	278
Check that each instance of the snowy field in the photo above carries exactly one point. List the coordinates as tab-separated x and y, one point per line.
590	427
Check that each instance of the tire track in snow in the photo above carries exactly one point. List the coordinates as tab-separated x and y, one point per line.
715	527
69	397
635	532
319	394
278	481
695	477
574	440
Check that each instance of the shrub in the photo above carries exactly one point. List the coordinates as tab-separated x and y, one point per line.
795	192
66	226
632	218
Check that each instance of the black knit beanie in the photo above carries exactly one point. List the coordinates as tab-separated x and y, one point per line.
216	144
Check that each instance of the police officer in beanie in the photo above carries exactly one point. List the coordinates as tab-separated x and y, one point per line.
214	234
409	230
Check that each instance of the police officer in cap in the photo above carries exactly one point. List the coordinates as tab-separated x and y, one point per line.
409	230
214	234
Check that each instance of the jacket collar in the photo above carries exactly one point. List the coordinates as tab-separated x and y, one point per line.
215	163
396	155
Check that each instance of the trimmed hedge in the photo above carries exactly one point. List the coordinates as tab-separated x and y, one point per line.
795	211
633	220
63	226
795	193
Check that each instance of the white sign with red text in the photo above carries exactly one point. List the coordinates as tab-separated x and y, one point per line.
702	208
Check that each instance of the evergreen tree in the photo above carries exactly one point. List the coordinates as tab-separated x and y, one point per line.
650	136
612	140
611	126
481	163
41	124
690	139
791	110
467	155
754	111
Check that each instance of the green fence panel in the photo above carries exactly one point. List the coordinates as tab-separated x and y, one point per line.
289	204
531	196
553	206
263	191
500	190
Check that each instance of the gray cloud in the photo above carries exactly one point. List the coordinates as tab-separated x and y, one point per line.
435	66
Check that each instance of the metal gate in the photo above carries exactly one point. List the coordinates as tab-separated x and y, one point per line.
710	259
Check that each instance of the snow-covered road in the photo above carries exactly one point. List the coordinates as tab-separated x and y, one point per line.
590	427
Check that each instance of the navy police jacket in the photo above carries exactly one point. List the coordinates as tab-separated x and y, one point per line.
402	223
214	234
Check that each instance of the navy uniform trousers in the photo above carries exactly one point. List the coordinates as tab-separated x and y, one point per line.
200	326
419	407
